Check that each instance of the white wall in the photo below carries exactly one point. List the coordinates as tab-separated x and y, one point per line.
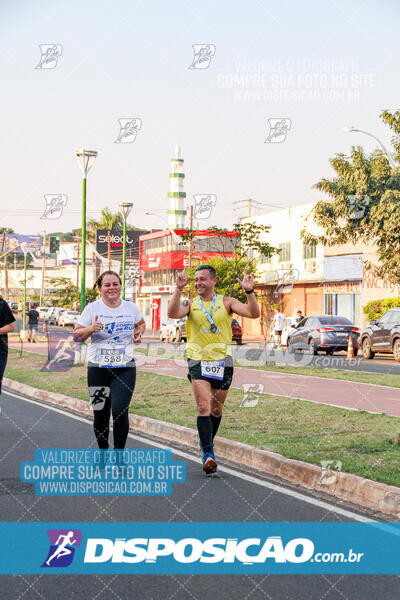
286	225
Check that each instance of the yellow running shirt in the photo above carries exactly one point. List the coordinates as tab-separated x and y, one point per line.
202	344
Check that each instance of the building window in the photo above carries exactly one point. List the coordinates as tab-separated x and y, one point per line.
284	254
309	251
265	259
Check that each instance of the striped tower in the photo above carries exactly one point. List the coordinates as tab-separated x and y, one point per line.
176	195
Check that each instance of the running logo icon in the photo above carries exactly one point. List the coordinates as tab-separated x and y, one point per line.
108	327
62	547
50	54
251	394
55	203
128	129
203	54
204	204
278	129
98	396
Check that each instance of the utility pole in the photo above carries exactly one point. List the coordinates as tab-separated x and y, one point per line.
43	268
3	247
24	308
238	207
77	261
191	239
109	250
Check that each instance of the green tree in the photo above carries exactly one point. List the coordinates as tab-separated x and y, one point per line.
66	294
364	204
375	308
236	252
8	257
108	220
225	284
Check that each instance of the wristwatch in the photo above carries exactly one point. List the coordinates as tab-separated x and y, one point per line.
249	291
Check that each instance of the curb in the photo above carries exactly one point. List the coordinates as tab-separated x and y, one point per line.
369	494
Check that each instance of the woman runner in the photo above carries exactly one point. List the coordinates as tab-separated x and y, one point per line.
113	325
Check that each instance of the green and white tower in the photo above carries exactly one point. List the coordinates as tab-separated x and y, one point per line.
176	195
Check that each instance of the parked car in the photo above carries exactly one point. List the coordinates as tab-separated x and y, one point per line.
382	335
13	305
68	317
174	330
236	332
324	332
44	312
54	315
288	329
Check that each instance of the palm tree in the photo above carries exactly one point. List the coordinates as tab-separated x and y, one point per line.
108	221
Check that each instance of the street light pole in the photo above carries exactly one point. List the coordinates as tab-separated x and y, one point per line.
86	160
176	238
125	209
386	153
43	268
24	307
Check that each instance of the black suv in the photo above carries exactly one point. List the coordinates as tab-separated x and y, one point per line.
382	335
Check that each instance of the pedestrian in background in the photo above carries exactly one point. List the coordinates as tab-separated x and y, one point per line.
299	317
279	322
33	324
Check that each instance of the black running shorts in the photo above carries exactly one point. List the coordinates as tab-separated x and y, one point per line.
194	367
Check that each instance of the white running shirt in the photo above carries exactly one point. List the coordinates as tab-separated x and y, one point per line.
116	334
279	321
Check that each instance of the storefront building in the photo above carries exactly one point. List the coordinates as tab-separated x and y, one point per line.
161	257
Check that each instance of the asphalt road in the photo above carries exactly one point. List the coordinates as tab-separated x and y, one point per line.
232	496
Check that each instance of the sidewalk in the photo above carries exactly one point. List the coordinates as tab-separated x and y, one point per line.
336	392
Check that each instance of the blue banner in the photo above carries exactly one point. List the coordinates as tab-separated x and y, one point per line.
200	548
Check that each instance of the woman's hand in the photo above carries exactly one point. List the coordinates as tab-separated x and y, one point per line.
96	325
138	331
137	337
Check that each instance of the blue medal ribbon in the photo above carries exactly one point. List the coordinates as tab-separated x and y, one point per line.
208	315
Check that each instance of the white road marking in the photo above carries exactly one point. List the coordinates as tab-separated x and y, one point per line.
250	478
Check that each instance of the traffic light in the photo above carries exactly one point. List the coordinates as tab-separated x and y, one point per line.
54	244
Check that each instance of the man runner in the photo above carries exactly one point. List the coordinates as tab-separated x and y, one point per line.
209	339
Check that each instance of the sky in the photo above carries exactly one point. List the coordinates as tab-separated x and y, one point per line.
314	67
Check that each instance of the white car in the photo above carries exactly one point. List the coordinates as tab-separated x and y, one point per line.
44	312
288	328
68	317
174	330
55	315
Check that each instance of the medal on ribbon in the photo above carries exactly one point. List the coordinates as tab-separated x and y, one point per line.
213	327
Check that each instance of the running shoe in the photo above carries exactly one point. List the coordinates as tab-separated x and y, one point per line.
209	463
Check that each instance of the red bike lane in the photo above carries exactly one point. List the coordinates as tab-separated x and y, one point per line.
345	394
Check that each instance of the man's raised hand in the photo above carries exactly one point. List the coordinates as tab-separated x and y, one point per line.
182	280
248	280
